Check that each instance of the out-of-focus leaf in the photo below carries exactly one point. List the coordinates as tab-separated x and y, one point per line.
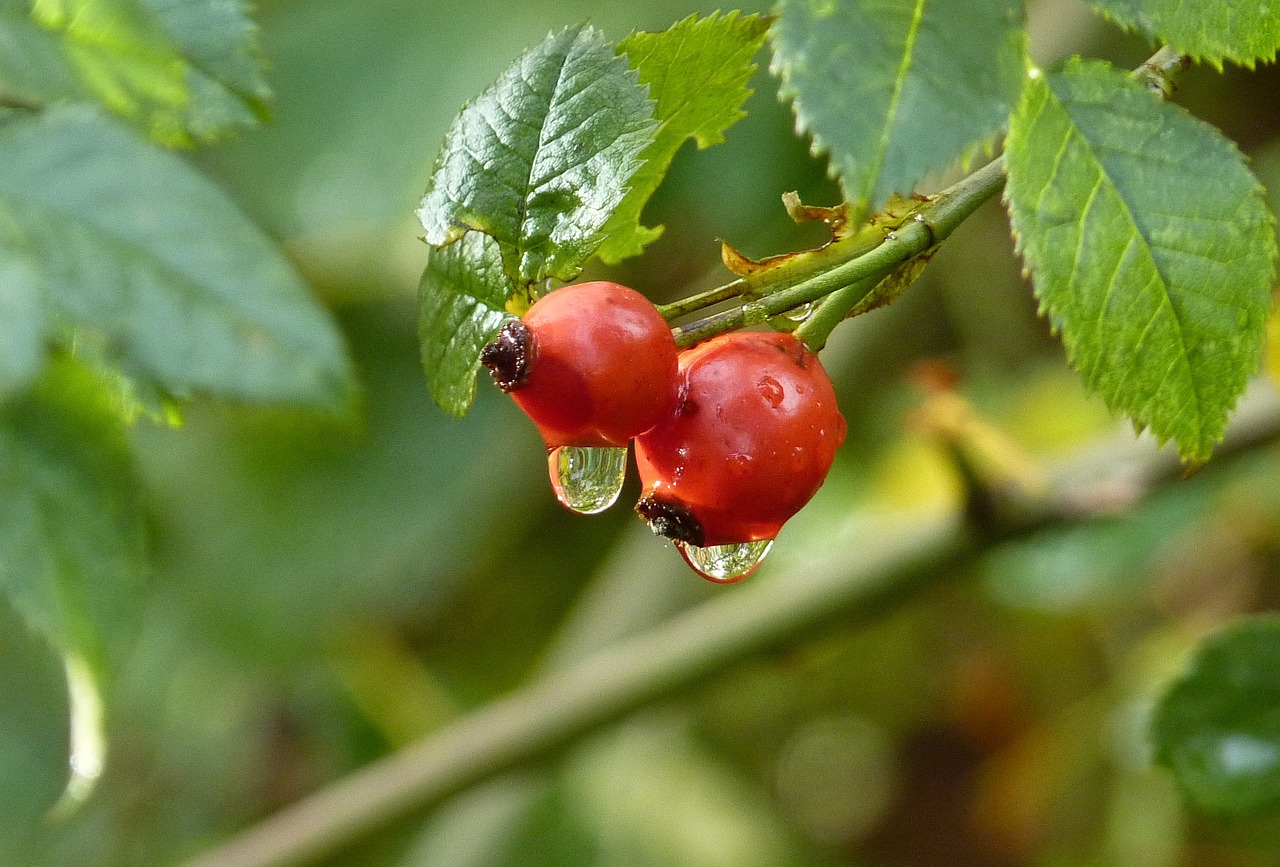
540	160
697	73
892	91
35	738
1093	564
72	552
33	67
461	300
183	71
1245	31
22	325
142	263
1218	728
283	527
678	797
1149	244
219	42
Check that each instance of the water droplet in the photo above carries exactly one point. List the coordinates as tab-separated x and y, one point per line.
587	480
799	314
725	564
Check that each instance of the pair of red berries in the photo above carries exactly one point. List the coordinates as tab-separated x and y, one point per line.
732	436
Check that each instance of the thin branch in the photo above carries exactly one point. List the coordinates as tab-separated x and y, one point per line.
1162	70
552	713
939	217
694	303
854	278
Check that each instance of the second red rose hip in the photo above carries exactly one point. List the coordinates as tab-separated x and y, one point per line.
751	441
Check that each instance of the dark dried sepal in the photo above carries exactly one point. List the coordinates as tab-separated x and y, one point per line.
670	520
508	355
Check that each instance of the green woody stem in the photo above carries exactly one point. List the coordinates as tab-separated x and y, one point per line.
844	284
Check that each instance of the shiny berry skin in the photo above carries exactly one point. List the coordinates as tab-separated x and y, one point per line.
593	364
751	441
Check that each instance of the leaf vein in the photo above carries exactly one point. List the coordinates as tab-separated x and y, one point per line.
895	101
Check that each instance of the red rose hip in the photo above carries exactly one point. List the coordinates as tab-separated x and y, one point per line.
593	365
750	442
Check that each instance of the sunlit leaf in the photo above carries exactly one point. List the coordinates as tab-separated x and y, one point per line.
1149	244
461	300
34	729
697	73
1245	31
540	160
183	71
1218	728
892	91
142	263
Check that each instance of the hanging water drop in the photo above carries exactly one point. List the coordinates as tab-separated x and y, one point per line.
725	564
799	314
587	480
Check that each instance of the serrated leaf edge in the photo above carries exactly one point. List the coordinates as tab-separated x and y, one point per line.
1216	61
1042	309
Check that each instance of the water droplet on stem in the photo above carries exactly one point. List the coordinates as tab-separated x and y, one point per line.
801	313
725	564
587	480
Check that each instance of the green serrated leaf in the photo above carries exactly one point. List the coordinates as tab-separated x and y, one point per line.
183	71
1244	31
145	264
541	159
892	91
1149	245
72	552
35	733
1218	728
461	298
697	73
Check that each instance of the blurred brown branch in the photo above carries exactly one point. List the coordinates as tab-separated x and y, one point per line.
554	711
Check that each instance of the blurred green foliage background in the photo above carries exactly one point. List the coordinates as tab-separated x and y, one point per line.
328	589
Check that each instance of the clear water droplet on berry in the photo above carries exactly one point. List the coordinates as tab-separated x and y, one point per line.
801	313
587	480
725	564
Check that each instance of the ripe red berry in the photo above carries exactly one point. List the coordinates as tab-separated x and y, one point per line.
592	364
751	441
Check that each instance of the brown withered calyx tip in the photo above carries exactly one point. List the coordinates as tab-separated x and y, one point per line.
507	356
667	519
